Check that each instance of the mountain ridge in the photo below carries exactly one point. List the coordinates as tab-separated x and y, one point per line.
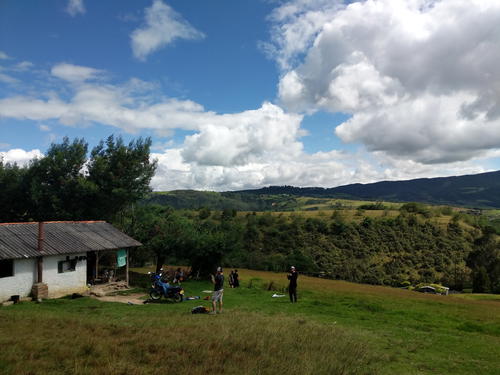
473	190
477	190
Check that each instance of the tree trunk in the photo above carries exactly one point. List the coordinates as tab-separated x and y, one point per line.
160	259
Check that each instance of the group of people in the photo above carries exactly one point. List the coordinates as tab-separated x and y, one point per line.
218	281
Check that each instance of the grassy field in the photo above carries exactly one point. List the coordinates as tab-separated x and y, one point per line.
335	328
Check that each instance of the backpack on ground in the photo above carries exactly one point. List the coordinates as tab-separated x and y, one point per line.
199	310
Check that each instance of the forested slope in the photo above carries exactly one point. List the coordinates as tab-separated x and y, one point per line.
407	249
388	251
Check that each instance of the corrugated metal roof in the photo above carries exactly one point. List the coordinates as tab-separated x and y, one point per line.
20	240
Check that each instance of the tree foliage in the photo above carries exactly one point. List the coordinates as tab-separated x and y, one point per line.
168	236
57	187
485	263
14	193
162	231
120	173
67	185
389	251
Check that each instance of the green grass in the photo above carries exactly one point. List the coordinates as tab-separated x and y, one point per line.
479	296
336	328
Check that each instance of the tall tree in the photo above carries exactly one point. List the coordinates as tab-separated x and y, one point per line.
162	231
209	244
121	174
58	187
14	200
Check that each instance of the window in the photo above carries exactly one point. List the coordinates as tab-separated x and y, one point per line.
64	266
6	268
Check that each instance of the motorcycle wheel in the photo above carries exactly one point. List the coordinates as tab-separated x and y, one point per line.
178	298
155	295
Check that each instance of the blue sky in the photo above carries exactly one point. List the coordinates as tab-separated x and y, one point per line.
241	94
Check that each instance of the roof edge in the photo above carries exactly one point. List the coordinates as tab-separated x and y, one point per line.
56	221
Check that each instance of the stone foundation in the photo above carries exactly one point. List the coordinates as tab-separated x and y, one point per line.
40	291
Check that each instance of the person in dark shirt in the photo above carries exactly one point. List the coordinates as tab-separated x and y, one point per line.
236	280
179	276
292	287
218	281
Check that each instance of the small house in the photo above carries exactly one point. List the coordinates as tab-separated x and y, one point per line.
53	259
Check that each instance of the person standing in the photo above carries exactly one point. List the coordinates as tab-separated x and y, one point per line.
236	281
231	281
218	281
178	277
292	287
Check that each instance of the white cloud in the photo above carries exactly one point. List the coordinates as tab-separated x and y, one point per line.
219	139
163	25
27	108
243	138
44	128
131	106
326	169
75	73
75	7
12	69
5	78
19	156
23	66
420	78
295	26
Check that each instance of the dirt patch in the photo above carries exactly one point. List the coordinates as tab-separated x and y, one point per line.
134	299
101	290
109	292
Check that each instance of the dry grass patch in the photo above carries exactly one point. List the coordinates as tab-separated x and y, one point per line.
234	342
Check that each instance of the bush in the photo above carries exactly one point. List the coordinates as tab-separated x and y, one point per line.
372	206
416	208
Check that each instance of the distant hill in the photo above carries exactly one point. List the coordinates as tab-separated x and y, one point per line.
479	190
193	199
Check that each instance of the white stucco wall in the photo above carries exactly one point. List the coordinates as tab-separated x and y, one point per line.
21	282
60	284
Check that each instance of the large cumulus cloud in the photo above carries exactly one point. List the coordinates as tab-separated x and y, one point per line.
420	78
245	137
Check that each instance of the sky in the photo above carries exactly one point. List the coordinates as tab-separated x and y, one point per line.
239	94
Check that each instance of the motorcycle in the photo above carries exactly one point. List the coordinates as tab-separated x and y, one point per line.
159	289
